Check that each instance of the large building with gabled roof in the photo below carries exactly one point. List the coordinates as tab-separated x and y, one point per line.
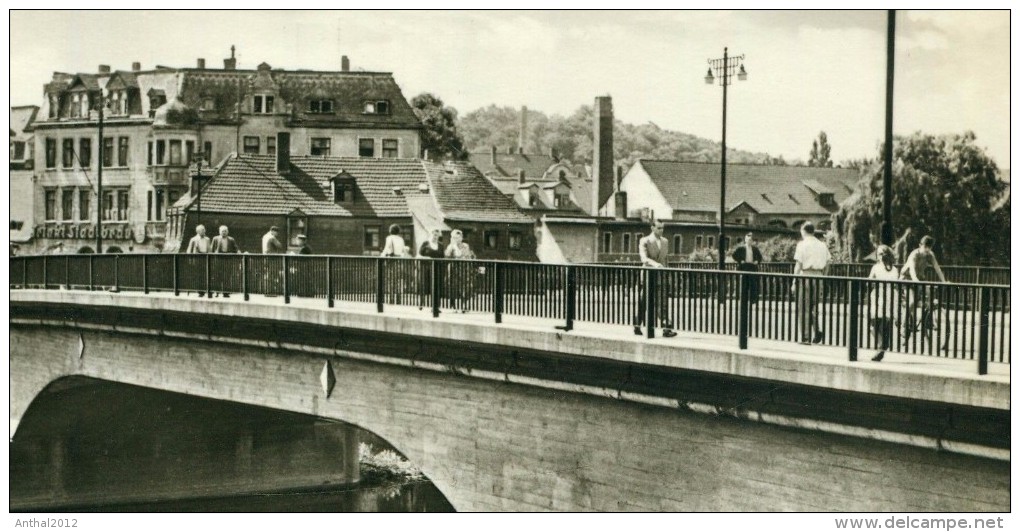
158	121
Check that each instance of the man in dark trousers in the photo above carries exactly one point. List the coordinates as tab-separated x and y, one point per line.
748	257
223	243
653	249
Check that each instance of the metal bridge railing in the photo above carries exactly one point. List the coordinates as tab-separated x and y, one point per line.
966	321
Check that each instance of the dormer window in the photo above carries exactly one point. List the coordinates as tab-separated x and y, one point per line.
320	106
377	107
826	200
118	103
157	98
263	104
208	104
343	188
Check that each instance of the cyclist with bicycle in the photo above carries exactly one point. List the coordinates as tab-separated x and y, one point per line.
921	266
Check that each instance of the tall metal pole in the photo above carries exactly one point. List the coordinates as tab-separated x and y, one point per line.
722	180
99	181
887	226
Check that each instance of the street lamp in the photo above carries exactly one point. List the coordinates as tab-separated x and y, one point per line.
724	69
197	181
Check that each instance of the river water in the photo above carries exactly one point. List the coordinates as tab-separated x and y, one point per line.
91	446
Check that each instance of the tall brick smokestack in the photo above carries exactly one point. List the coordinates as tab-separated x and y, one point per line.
523	134
602	159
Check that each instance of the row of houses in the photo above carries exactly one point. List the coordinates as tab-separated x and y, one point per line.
337	156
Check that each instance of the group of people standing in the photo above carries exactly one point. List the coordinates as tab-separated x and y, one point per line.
459	281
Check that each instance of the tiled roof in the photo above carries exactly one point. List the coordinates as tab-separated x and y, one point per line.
249	183
21	117
510	164
348	90
383	188
129	79
767	189
463	193
89	81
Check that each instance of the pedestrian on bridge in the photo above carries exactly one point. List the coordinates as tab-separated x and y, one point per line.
430	249
652	249
199	244
461	277
883	299
748	257
224	243
921	266
811	259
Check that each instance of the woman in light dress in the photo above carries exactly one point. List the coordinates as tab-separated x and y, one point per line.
461	278
883	300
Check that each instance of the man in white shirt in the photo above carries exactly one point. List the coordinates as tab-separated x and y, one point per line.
812	257
199	243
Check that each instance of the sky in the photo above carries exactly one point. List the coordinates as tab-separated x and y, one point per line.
808	71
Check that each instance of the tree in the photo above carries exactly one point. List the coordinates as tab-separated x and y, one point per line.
820	151
440	138
943	186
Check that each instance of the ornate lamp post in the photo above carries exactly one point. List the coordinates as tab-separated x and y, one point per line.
724	69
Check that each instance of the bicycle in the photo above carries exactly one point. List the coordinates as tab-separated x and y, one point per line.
930	315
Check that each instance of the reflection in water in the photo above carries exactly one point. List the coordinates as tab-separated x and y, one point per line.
87	445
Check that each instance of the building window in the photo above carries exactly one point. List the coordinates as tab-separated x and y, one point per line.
296	225
67	154
107	152
371	237
625	243
208	104
51	153
491	239
108	205
607	242
678	242
189	151
122	205
122	151
175	153
263	104
343	191
389	148
270	145
699	241
366	147
514	239
320	106
160	152
320	146
157	204
84	204
76	105
51	204
17	150
251	145
711	242
85	153
67	204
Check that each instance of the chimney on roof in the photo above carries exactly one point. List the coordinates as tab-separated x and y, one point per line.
520	177
552	153
201	62
136	66
523	134
619	178
602	159
230	63
283	153
493	156
104	69
620	205
345	64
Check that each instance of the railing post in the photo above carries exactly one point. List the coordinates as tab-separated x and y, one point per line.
177	274
986	294
92	270
570	294
244	277
45	273
497	291
650	293
208	275
116	273
67	271
977	275
329	282
24	273
854	314
145	274
380	282
286	280
436	286
744	309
